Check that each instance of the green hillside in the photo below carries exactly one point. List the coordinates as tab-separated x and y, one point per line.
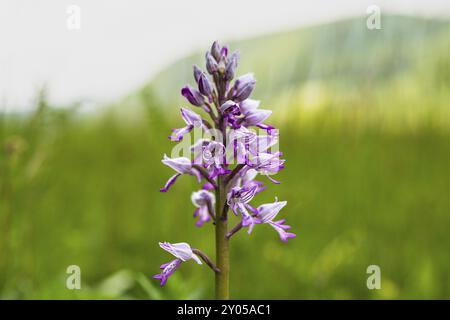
337	64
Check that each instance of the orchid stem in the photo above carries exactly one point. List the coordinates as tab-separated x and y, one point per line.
222	245
206	259
235	229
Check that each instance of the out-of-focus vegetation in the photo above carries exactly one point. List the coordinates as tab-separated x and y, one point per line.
367	140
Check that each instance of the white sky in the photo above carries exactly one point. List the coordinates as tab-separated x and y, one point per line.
122	43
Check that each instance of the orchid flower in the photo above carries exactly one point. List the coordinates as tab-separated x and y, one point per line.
181	165
212	155
252	115
191	119
238	200
267	164
266	213
204	201
182	251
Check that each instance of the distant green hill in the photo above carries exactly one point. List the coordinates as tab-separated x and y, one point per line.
336	64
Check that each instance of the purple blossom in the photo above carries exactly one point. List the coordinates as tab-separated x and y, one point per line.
231	113
191	119
230	107
267	164
238	200
229	162
204	201
266	213
252	115
211	154
261	144
181	165
182	252
248	179
243	140
167	270
249	105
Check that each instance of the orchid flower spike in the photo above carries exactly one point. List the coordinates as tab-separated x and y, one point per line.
229	158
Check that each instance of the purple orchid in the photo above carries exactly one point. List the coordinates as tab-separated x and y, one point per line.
182	252
243	140
181	165
252	115
228	158
191	119
238	199
248	179
212	155
204	201
266	213
267	164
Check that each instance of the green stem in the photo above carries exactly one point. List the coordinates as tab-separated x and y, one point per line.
222	244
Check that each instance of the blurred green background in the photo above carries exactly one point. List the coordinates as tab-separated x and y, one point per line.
364	120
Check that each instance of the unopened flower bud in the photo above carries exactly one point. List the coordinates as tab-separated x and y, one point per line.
193	96
231	66
243	87
204	86
215	51
197	73
211	63
224	52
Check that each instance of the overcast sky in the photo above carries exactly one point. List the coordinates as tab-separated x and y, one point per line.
122	43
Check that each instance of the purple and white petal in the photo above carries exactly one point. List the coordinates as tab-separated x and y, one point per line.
256	117
248	105
190	117
281	228
180	250
267	212
181	165
230	107
168	269
170	182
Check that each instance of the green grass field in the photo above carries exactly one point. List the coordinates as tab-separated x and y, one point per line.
85	192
